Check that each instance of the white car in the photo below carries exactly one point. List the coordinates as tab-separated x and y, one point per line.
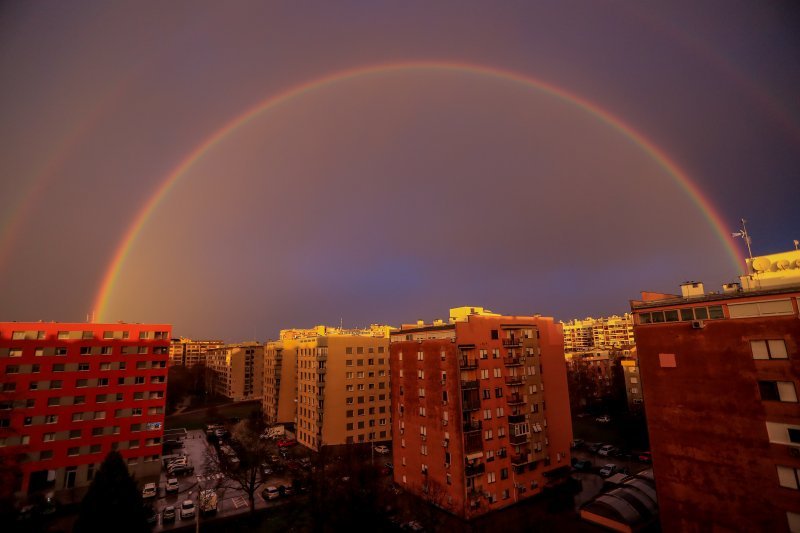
383	450
606	450
149	491
608	469
605	419
271	493
172	485
187	509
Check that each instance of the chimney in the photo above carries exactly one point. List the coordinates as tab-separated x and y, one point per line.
692	289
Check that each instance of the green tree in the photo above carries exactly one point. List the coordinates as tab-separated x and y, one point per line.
113	502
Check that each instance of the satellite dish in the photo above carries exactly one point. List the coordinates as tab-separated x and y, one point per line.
761	264
783	264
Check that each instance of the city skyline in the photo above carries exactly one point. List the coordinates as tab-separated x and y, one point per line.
234	172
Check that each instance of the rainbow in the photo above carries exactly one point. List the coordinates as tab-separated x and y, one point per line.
272	102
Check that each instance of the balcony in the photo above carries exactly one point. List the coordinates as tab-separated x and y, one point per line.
513	380
519	459
515	399
468	364
512	361
474	425
473	443
322	358
518	439
471	405
476	470
508	343
469	385
516	419
321	370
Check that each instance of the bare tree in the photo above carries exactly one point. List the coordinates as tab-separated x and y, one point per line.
240	462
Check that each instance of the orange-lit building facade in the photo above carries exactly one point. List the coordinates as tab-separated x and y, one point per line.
188	352
480	409
720	376
72	392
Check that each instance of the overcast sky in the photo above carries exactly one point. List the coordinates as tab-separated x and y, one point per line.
390	196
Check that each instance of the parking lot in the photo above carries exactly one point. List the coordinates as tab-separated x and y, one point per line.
231	500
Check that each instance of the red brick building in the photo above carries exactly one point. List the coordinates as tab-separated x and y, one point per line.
474	427
70	393
719	374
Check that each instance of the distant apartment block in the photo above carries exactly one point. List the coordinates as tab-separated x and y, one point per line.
188	352
342	385
236	371
598	333
633	383
71	392
475	428
720	377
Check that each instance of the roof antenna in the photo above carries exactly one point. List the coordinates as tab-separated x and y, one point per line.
744	235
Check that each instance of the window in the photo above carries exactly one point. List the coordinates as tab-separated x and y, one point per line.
488	435
495	336
94	448
102	382
48	437
105	350
53	401
500	412
769	349
100	415
421	392
498	392
77	417
490	477
139	380
51	419
63	335
74	433
12	369
487	394
82	383
33	385
45	454
778	391
73	451
484	373
58	368
56	384
504	474
788	477
136	411
61	351
86	350
487	414
97	432
15	352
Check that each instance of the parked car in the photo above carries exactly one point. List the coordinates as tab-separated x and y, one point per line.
172	485
287	443
150	515
606	450
608	470
181	470
383	450
594	447
645	457
150	490
270	493
582	465
285	490
168	514
187	509
605	419
577	443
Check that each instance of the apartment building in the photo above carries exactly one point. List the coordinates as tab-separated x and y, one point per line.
719	373
633	383
280	381
343	386
188	352
475	428
236	371
598	333
72	392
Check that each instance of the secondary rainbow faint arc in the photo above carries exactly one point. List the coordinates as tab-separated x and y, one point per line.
271	102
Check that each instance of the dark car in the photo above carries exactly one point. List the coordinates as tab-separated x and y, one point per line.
168	514
645	457
594	447
288	443
582	465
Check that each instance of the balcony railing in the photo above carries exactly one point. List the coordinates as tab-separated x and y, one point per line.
476	470
468	364
513	380
519	459
518	439
512	342
471	405
467	385
512	361
514	399
516	418
474	425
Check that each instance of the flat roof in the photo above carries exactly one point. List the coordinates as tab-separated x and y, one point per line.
712	297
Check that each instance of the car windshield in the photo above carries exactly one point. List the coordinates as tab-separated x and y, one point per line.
188	505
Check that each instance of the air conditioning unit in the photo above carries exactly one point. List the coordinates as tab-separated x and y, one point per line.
698	324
